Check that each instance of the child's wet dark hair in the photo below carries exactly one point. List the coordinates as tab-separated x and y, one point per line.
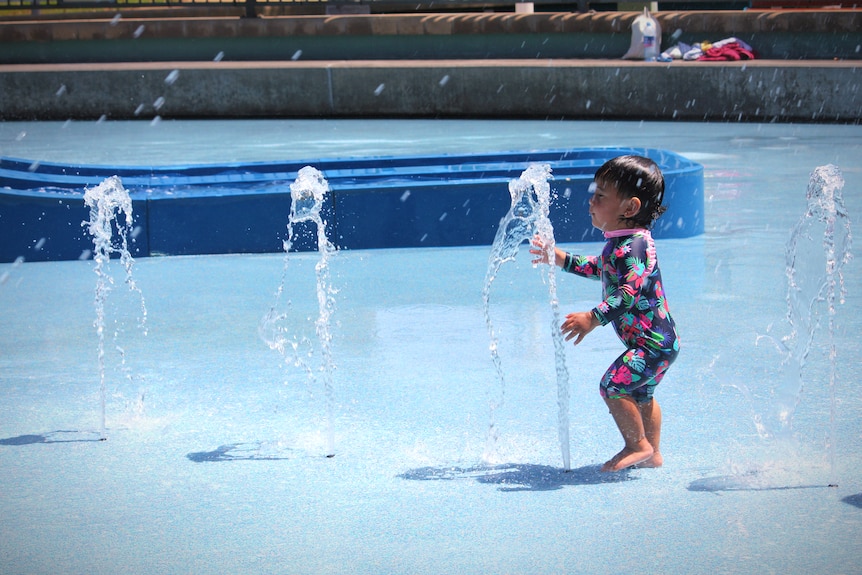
636	177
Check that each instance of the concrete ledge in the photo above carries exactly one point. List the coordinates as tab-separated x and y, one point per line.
758	90
697	22
821	34
540	65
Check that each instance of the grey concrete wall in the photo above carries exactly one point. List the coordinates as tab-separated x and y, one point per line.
821	34
826	91
543	65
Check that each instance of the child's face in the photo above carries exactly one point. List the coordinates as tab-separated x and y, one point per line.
608	207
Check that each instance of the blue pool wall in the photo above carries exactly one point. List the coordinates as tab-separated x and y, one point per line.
373	203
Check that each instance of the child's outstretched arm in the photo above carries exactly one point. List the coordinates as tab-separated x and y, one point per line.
584	266
540	251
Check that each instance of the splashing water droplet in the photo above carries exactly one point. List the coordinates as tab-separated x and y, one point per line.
172	77
379	89
5	277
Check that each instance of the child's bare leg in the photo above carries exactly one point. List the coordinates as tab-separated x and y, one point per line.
651	417
637	449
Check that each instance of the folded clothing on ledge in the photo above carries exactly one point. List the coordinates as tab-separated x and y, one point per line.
723	50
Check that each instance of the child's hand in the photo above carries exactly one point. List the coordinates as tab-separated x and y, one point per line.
578	325
540	250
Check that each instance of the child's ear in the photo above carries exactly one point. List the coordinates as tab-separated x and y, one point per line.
632	207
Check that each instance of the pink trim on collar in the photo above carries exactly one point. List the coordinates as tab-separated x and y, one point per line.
621	233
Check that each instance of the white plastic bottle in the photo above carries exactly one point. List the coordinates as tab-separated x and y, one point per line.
649	41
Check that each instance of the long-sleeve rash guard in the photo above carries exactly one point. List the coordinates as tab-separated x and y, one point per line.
635	304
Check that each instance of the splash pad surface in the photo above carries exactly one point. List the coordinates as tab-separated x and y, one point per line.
215	455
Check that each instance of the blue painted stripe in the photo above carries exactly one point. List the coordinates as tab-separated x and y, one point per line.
375	202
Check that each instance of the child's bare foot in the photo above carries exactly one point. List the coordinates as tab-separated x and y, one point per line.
655	461
629	457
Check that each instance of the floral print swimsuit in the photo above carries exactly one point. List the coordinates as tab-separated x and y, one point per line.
634	302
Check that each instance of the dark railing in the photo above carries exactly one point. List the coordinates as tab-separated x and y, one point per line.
122	4
251	7
405	5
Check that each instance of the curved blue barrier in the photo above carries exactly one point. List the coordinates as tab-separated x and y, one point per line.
375	202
